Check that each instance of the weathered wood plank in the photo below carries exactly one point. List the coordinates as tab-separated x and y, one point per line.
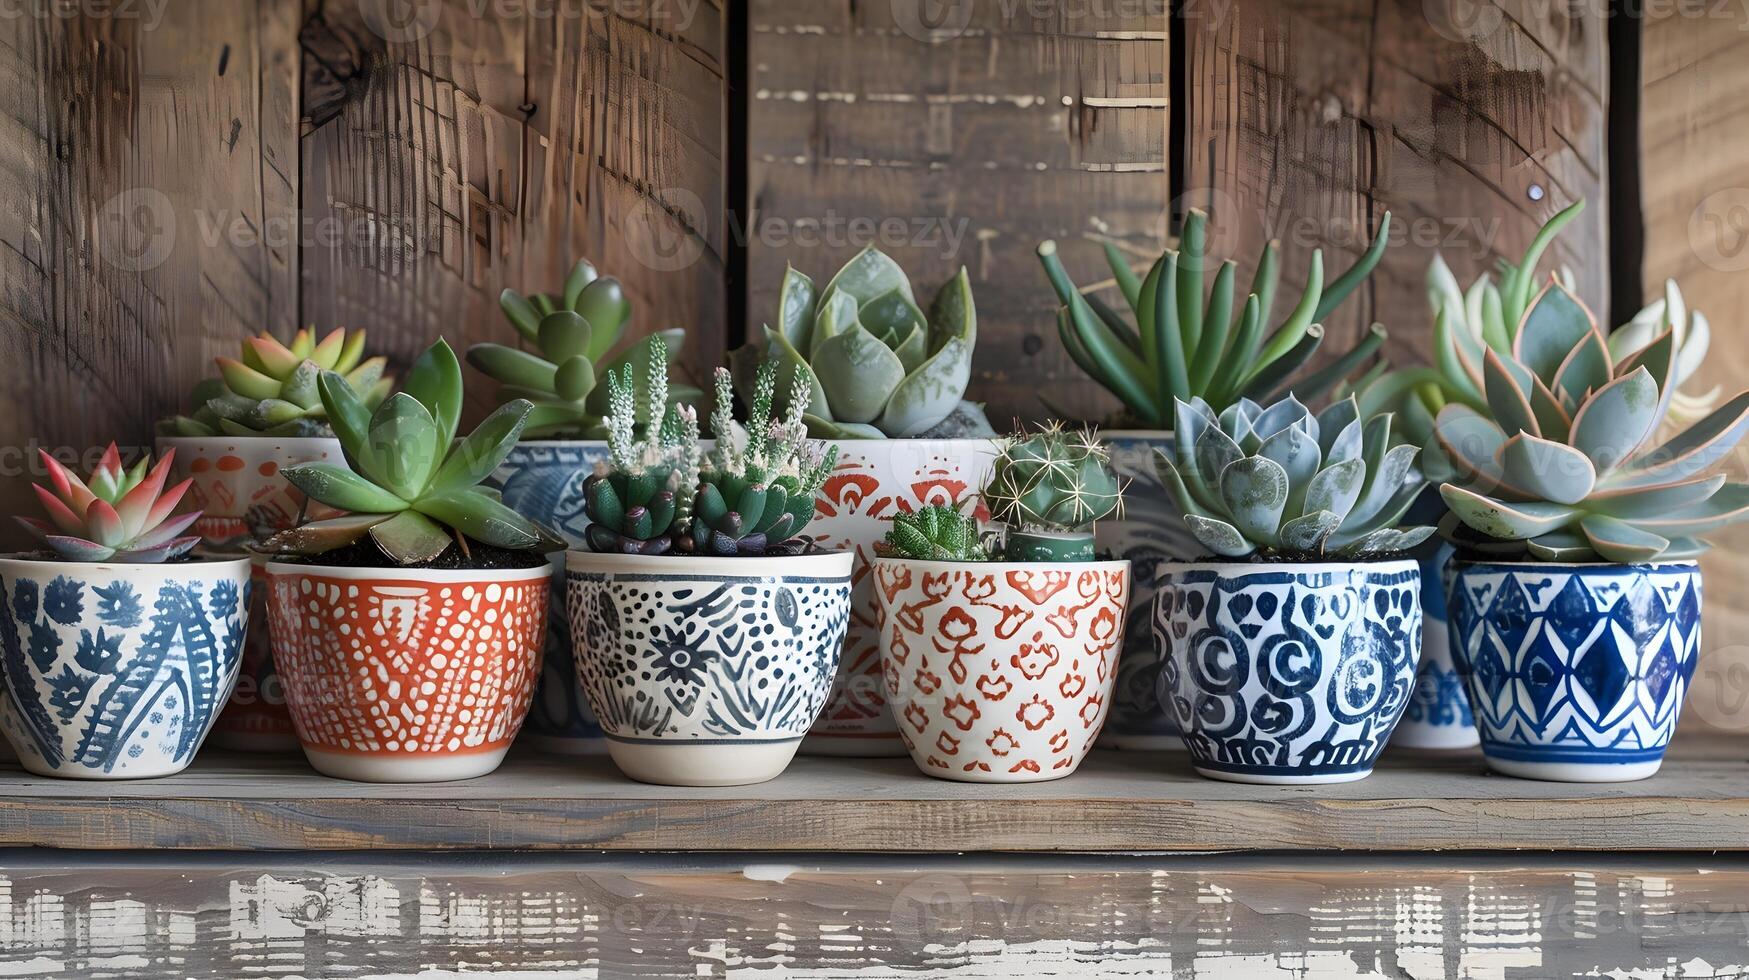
558	917
1118	802
980	130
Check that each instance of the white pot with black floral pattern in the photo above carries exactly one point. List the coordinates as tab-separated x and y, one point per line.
117	671
706	671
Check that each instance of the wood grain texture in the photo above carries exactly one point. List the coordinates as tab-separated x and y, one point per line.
979	129
1117	802
1694	137
150	216
1471	121
77	916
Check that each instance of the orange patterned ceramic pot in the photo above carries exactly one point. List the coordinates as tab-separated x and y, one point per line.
875	479
1000	672
407	675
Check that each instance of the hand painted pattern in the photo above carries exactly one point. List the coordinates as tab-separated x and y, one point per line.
402	666
257	706
999	672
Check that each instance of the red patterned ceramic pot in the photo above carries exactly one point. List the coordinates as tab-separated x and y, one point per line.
407	675
1000	672
875	479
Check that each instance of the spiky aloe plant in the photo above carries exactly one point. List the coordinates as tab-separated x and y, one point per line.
1560	464
119	515
271	388
408	484
755	495
643	491
933	533
873	365
1175	347
1049	487
1280	481
574	334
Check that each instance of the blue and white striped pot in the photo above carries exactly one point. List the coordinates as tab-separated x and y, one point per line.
1576	673
1287	673
117	671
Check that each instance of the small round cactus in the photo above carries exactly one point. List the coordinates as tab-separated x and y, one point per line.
1049	487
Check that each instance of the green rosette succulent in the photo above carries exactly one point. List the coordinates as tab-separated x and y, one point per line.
1175	346
407	483
642	494
271	388
1049	488
872	363
1562	462
936	532
575	334
1280	481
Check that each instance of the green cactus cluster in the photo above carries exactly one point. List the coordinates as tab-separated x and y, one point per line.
1049	487
1280	481
1175	346
271	389
575	334
933	533
641	496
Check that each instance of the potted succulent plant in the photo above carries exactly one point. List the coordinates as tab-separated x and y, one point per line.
261	414
117	648
707	629
1289	655
886	383
573	337
1001	670
1177	346
409	630
1575	594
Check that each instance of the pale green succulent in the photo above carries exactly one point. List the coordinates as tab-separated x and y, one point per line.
1560	461
271	388
875	366
1281	481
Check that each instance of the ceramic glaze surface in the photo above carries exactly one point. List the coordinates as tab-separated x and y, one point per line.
397	664
117	671
255	719
875	479
1438	716
1576	671
1000	671
1149	534
1285	673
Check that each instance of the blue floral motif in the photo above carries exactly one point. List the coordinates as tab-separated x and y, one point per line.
64	600
119	605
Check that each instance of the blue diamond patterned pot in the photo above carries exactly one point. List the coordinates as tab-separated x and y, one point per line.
1575	672
1287	673
1149	534
117	671
1438	716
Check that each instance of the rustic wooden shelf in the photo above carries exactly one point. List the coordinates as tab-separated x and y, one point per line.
1122	802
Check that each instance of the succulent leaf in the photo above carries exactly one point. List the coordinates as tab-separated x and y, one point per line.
114	515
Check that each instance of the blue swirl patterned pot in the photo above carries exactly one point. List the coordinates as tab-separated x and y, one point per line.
1577	673
1149	534
1287	673
707	671
543	480
1438	716
117	671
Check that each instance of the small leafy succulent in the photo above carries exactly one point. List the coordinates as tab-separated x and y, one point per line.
936	532
408	484
1049	487
872	364
1175	347
574	333
643	492
1560	463
119	515
755	495
1282	481
271	389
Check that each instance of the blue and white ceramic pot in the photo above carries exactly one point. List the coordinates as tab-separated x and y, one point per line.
543	480
1576	672
1287	673
1438	716
1149	534
707	671
117	671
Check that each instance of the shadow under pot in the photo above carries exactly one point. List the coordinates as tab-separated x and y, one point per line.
1576	673
407	675
1286	673
706	671
1000	672
117	671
